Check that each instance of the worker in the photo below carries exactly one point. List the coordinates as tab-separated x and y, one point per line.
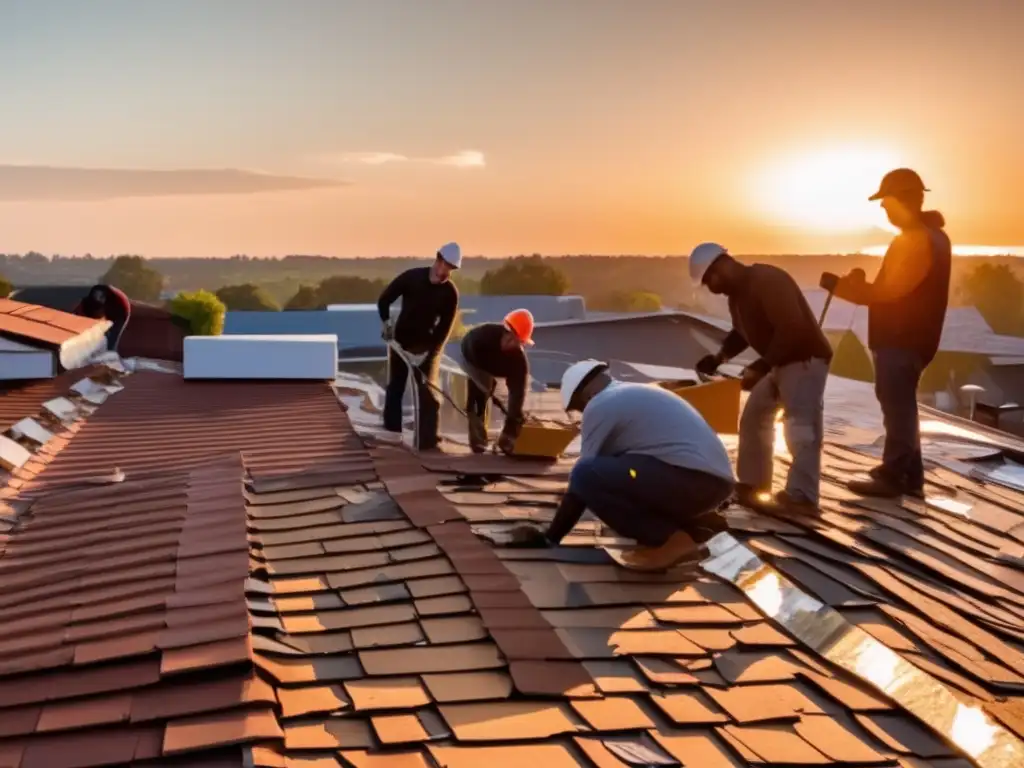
771	314
105	302
906	311
493	351
650	468
429	304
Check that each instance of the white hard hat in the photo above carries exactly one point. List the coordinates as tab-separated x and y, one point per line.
704	256
574	376
452	255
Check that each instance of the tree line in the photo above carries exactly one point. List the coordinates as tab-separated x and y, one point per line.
624	284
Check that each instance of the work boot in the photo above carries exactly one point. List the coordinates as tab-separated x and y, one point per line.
794	506
477	433
878	487
679	548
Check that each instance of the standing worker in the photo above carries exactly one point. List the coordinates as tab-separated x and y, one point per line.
650	467
771	314
429	303
496	351
105	302
906	311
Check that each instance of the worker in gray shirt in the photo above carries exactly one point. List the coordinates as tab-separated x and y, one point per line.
650	468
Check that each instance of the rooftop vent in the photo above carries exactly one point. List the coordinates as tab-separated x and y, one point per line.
274	357
39	343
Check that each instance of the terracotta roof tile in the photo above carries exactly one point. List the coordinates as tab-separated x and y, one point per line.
383	622
96	666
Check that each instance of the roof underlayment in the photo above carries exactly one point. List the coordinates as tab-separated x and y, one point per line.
239	573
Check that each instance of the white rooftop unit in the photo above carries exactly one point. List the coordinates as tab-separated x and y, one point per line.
271	357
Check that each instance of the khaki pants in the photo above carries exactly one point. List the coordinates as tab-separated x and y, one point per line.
799	388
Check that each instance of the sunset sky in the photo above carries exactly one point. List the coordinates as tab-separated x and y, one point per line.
386	127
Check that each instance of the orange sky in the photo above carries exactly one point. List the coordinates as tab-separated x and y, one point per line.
584	126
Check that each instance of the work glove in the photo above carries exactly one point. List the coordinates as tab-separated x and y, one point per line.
527	536
506	443
753	373
708	365
388	331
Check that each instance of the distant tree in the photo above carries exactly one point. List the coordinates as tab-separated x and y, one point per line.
467	285
346	289
5	287
998	294
247	296
627	301
135	277
525	276
305	298
203	311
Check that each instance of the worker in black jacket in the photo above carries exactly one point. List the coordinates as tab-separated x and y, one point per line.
496	351
771	315
906	312
429	303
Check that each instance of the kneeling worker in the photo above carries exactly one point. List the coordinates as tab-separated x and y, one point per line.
650	468
495	351
105	302
770	313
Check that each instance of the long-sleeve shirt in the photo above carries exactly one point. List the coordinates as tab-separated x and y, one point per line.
428	310
481	347
771	314
907	301
648	420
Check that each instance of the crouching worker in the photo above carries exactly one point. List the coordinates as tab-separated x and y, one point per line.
770	313
493	351
650	468
105	302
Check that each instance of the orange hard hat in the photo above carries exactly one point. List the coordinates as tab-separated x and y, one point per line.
520	322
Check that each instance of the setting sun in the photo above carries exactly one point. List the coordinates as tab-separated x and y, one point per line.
825	190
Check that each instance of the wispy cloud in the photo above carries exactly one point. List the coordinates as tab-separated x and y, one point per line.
40	182
466	158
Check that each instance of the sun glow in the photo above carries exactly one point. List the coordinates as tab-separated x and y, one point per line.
826	190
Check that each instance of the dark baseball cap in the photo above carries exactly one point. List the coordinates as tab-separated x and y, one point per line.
900	181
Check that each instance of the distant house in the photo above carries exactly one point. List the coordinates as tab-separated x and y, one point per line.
970	352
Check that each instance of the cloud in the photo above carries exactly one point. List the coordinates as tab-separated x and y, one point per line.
466	158
40	182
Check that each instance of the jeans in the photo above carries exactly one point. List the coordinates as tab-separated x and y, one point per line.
799	388
641	497
426	401
897	375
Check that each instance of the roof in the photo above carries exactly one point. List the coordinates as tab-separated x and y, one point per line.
41	326
354	329
62	297
264	587
964	330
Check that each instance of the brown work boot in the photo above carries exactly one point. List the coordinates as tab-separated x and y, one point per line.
679	548
877	487
794	506
477	433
